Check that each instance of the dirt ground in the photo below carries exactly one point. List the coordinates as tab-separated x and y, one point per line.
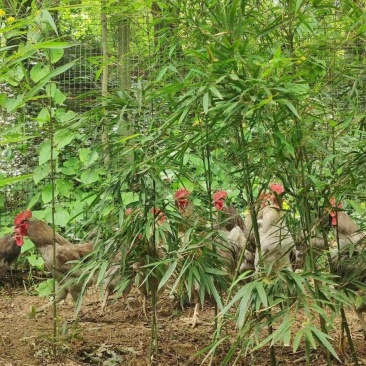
120	336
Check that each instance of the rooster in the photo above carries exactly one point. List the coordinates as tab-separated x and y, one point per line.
43	238
10	246
348	258
187	212
186	209
111	280
229	217
350	266
146	283
228	240
346	230
276	241
230	221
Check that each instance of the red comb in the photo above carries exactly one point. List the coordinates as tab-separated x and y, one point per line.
158	213
276	187
25	215
219	195
334	203
181	193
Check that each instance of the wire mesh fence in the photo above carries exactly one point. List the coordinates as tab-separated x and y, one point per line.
137	47
128	65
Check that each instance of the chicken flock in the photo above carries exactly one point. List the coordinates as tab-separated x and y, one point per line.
234	239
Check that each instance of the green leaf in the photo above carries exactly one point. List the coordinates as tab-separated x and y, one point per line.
64	116
53	92
9	181
14	76
299	280
50	45
39	71
287	335
290	149
89	177
234	77
102	270
162	73
46	15
323	339
43	116
206	102
290	106
77	211
59	97
12	104
45	152
298	4
45	288
215	92
88	156
216	271
62	217
262	293
27	246
56	54
244	292
64	187
126	138
34	200
71	166
63	138
167	274
5	140
41	172
297	340
129	197
35	261
47	193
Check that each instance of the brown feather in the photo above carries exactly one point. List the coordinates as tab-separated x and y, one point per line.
9	252
347	231
41	234
229	217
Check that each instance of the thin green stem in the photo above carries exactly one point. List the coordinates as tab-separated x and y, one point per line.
54	290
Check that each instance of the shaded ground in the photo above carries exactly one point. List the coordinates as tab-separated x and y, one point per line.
119	337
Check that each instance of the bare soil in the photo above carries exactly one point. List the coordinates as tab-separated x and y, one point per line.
121	336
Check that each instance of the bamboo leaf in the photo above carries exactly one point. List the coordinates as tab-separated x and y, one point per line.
245	291
49	19
215	92
206	102
298	5
167	274
10	140
101	274
323	339
262	293
290	106
297	340
9	181
243	308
